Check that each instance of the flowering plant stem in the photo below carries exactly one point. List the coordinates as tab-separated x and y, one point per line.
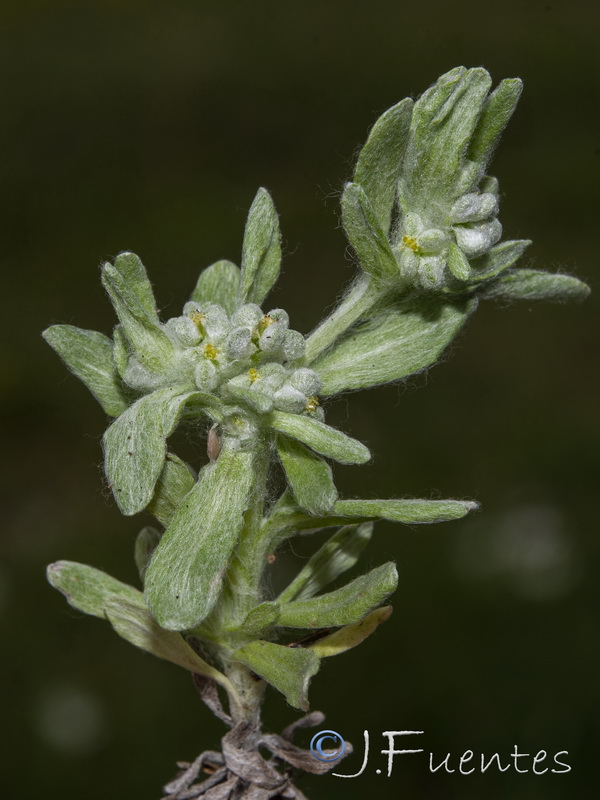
421	216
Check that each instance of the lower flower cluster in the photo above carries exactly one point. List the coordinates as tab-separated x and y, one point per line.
247	357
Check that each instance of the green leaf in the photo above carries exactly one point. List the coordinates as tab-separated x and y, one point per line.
497	111
146	543
87	588
288	669
443	122
261	251
175	481
366	235
150	344
135	624
321	438
380	161
498	259
350	635
89	356
287	517
220	284
338	554
135	277
458	263
135	447
261	617
394	344
409	512
185	576
94	592
309	476
343	606
120	350
531	284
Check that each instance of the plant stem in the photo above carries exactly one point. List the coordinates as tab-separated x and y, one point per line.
359	301
245	703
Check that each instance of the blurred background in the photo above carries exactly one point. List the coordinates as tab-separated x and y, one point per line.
149	126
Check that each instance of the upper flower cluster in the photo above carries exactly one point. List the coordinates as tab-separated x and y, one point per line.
433	244
422	211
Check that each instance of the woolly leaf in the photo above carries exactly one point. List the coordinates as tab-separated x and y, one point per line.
321	438
343	606
135	624
338	554
287	669
497	111
146	543
499	258
135	277
458	263
409	512
261	251
380	160
89	356
135	447
175	481
444	119
150	344
309	476
366	235
406	339
219	283
185	576
120	350
287	517
87	588
261	617
350	635
530	284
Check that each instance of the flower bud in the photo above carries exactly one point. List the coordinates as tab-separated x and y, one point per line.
474	207
476	240
216	324
293	345
272	337
432	240
306	381
289	399
239	344
273	374
184	331
247	316
431	271
279	315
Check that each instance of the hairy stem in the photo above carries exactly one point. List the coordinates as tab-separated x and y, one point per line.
359	301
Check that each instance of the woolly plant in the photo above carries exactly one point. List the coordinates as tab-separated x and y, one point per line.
422	218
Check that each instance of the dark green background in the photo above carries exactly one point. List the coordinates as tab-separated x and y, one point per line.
148	126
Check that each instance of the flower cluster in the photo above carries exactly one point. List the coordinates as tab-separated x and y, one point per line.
246	357
436	241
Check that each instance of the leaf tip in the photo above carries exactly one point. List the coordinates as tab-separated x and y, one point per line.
53	573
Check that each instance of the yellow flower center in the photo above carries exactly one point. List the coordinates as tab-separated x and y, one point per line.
198	318
264	323
412	244
312	404
210	352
